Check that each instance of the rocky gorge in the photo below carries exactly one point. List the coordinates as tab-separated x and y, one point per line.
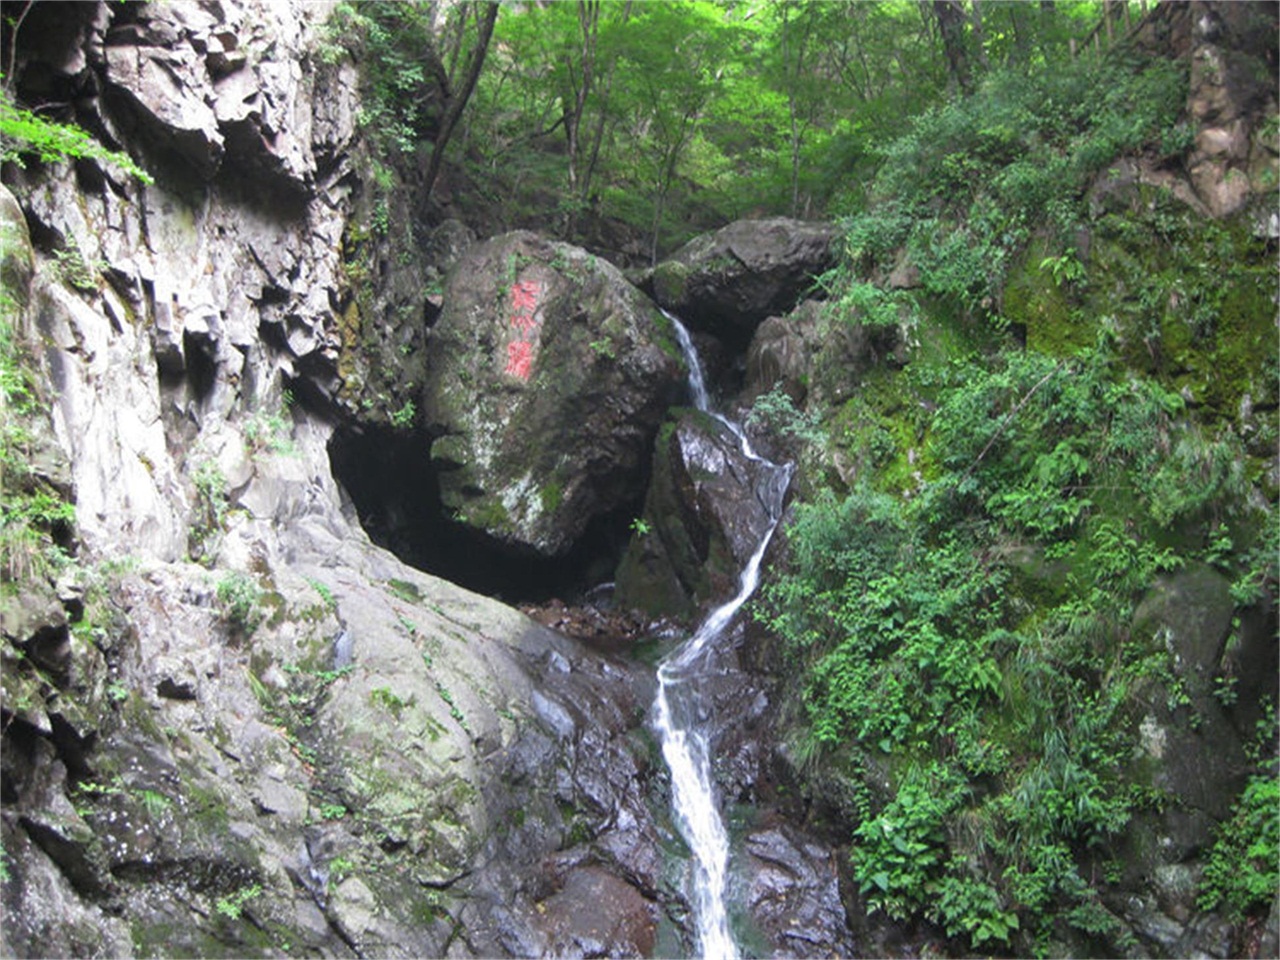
311	639
233	725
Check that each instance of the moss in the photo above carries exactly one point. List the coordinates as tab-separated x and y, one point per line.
406	591
487	513
1035	301
670	281
551	496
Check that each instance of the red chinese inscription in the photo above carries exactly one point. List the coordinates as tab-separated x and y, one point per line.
519	359
525	322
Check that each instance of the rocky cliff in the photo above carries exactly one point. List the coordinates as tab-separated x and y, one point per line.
232	725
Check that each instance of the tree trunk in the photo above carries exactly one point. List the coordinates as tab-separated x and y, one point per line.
588	23
951	18
598	137
458	100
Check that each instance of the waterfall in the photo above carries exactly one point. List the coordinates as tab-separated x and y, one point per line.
677	710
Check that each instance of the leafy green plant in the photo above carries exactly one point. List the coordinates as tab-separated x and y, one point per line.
75	269
23	133
269	432
340	868
240	597
332	811
641	527
233	904
1242	874
1065	268
156	804
403	418
775	410
326	594
210	511
967	638
604	348
390	701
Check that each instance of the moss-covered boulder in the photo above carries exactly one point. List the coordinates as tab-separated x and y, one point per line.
726	282
548	375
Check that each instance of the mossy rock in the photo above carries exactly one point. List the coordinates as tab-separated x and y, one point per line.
548	377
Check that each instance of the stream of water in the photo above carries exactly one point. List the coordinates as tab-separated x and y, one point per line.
679	714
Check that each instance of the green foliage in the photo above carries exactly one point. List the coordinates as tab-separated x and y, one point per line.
390	701
970	181
1242	874
155	803
233	904
270	433
23	133
75	269
326	594
240	598
967	640
402	419
776	411
395	47
210	509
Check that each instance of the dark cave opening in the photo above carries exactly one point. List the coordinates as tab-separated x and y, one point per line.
394	487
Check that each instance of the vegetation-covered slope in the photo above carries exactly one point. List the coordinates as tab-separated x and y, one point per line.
1031	583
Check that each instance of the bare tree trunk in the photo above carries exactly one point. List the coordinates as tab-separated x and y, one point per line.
598	137
588	23
475	63
951	18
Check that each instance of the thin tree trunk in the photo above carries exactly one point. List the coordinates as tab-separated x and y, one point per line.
950	17
598	137
475	63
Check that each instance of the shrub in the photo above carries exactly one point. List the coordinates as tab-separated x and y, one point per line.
240	596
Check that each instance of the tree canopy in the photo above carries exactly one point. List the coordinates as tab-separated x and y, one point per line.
680	115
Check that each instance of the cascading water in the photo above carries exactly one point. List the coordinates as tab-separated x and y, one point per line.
677	710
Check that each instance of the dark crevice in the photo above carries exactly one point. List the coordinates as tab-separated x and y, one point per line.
389	476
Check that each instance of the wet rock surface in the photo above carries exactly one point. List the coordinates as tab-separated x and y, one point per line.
704	516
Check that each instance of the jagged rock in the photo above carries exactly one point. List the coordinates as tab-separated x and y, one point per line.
704	519
794	894
779	355
547	377
728	281
220	85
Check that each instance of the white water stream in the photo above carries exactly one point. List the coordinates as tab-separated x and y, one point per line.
677	711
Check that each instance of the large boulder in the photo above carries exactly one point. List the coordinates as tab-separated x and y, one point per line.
703	518
726	282
547	377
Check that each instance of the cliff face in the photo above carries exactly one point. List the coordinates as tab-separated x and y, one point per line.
231	724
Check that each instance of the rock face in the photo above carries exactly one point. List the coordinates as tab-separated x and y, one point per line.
704	519
231	725
548	375
727	282
1231	50
1191	748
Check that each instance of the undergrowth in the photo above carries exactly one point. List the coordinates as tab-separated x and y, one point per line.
965	638
962	191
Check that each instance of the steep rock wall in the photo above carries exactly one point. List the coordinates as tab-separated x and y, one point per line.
232	725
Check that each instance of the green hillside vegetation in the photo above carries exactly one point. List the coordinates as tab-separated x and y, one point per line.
1067	428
